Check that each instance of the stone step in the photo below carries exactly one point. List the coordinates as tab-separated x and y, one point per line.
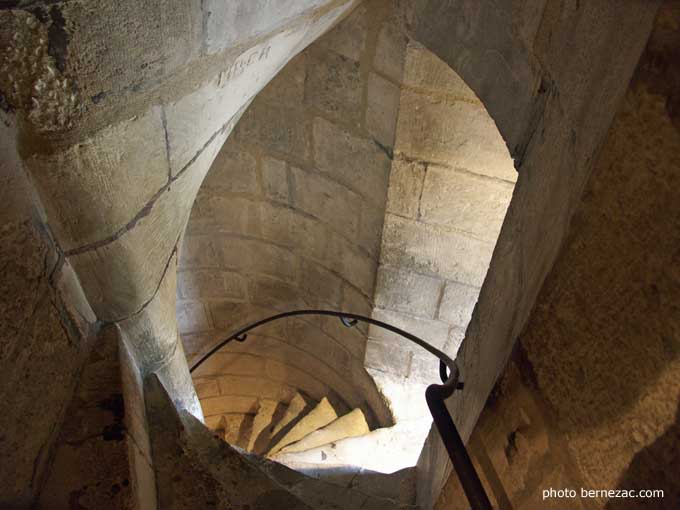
320	416
382	450
399	486
351	425
296	409
324	495
261	423
196	470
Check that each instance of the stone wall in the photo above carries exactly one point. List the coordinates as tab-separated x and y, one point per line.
591	397
290	216
551	75
451	182
45	332
110	116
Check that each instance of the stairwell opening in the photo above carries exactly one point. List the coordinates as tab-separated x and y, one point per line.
366	177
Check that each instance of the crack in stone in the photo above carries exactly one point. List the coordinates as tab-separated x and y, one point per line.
146	210
153	296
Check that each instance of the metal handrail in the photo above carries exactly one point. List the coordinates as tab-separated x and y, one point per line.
435	395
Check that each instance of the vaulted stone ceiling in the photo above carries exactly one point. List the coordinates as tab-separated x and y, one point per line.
93	229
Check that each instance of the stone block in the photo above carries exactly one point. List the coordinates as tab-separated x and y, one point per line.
223	362
313	340
319	283
270	260
426	72
228	404
206	387
424	368
229	23
457	303
390	51
457	134
465	201
353	340
350	425
288	87
353	300
257	257
276	128
196	342
128	160
456	337
197	252
233	171
327	200
232	252
435	332
388	358
312	237
408	292
297	378
382	109
349	37
192	317
357	267
275	179
320	416
121	276
277	294
279	223
233	215
356	162
334	86
144	52
406	185
195	119
255	385
229	316
212	284
370	229
435	250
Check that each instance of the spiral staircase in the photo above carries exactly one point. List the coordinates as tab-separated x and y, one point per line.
196	468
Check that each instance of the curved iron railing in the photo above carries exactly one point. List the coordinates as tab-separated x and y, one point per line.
435	394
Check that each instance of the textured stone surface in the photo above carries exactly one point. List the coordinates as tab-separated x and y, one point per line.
350	425
320	416
95	428
194	469
382	110
550	75
295	410
44	334
298	219
261	422
322	494
591	397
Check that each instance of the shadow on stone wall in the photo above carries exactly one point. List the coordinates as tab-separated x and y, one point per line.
654	467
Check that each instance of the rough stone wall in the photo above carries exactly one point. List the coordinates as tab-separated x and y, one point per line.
290	216
44	332
450	185
551	75
111	115
102	458
592	395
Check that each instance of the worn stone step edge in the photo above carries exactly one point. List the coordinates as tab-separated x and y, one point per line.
322	494
350	425
320	416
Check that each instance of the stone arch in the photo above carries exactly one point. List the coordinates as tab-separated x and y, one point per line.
298	194
554	125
